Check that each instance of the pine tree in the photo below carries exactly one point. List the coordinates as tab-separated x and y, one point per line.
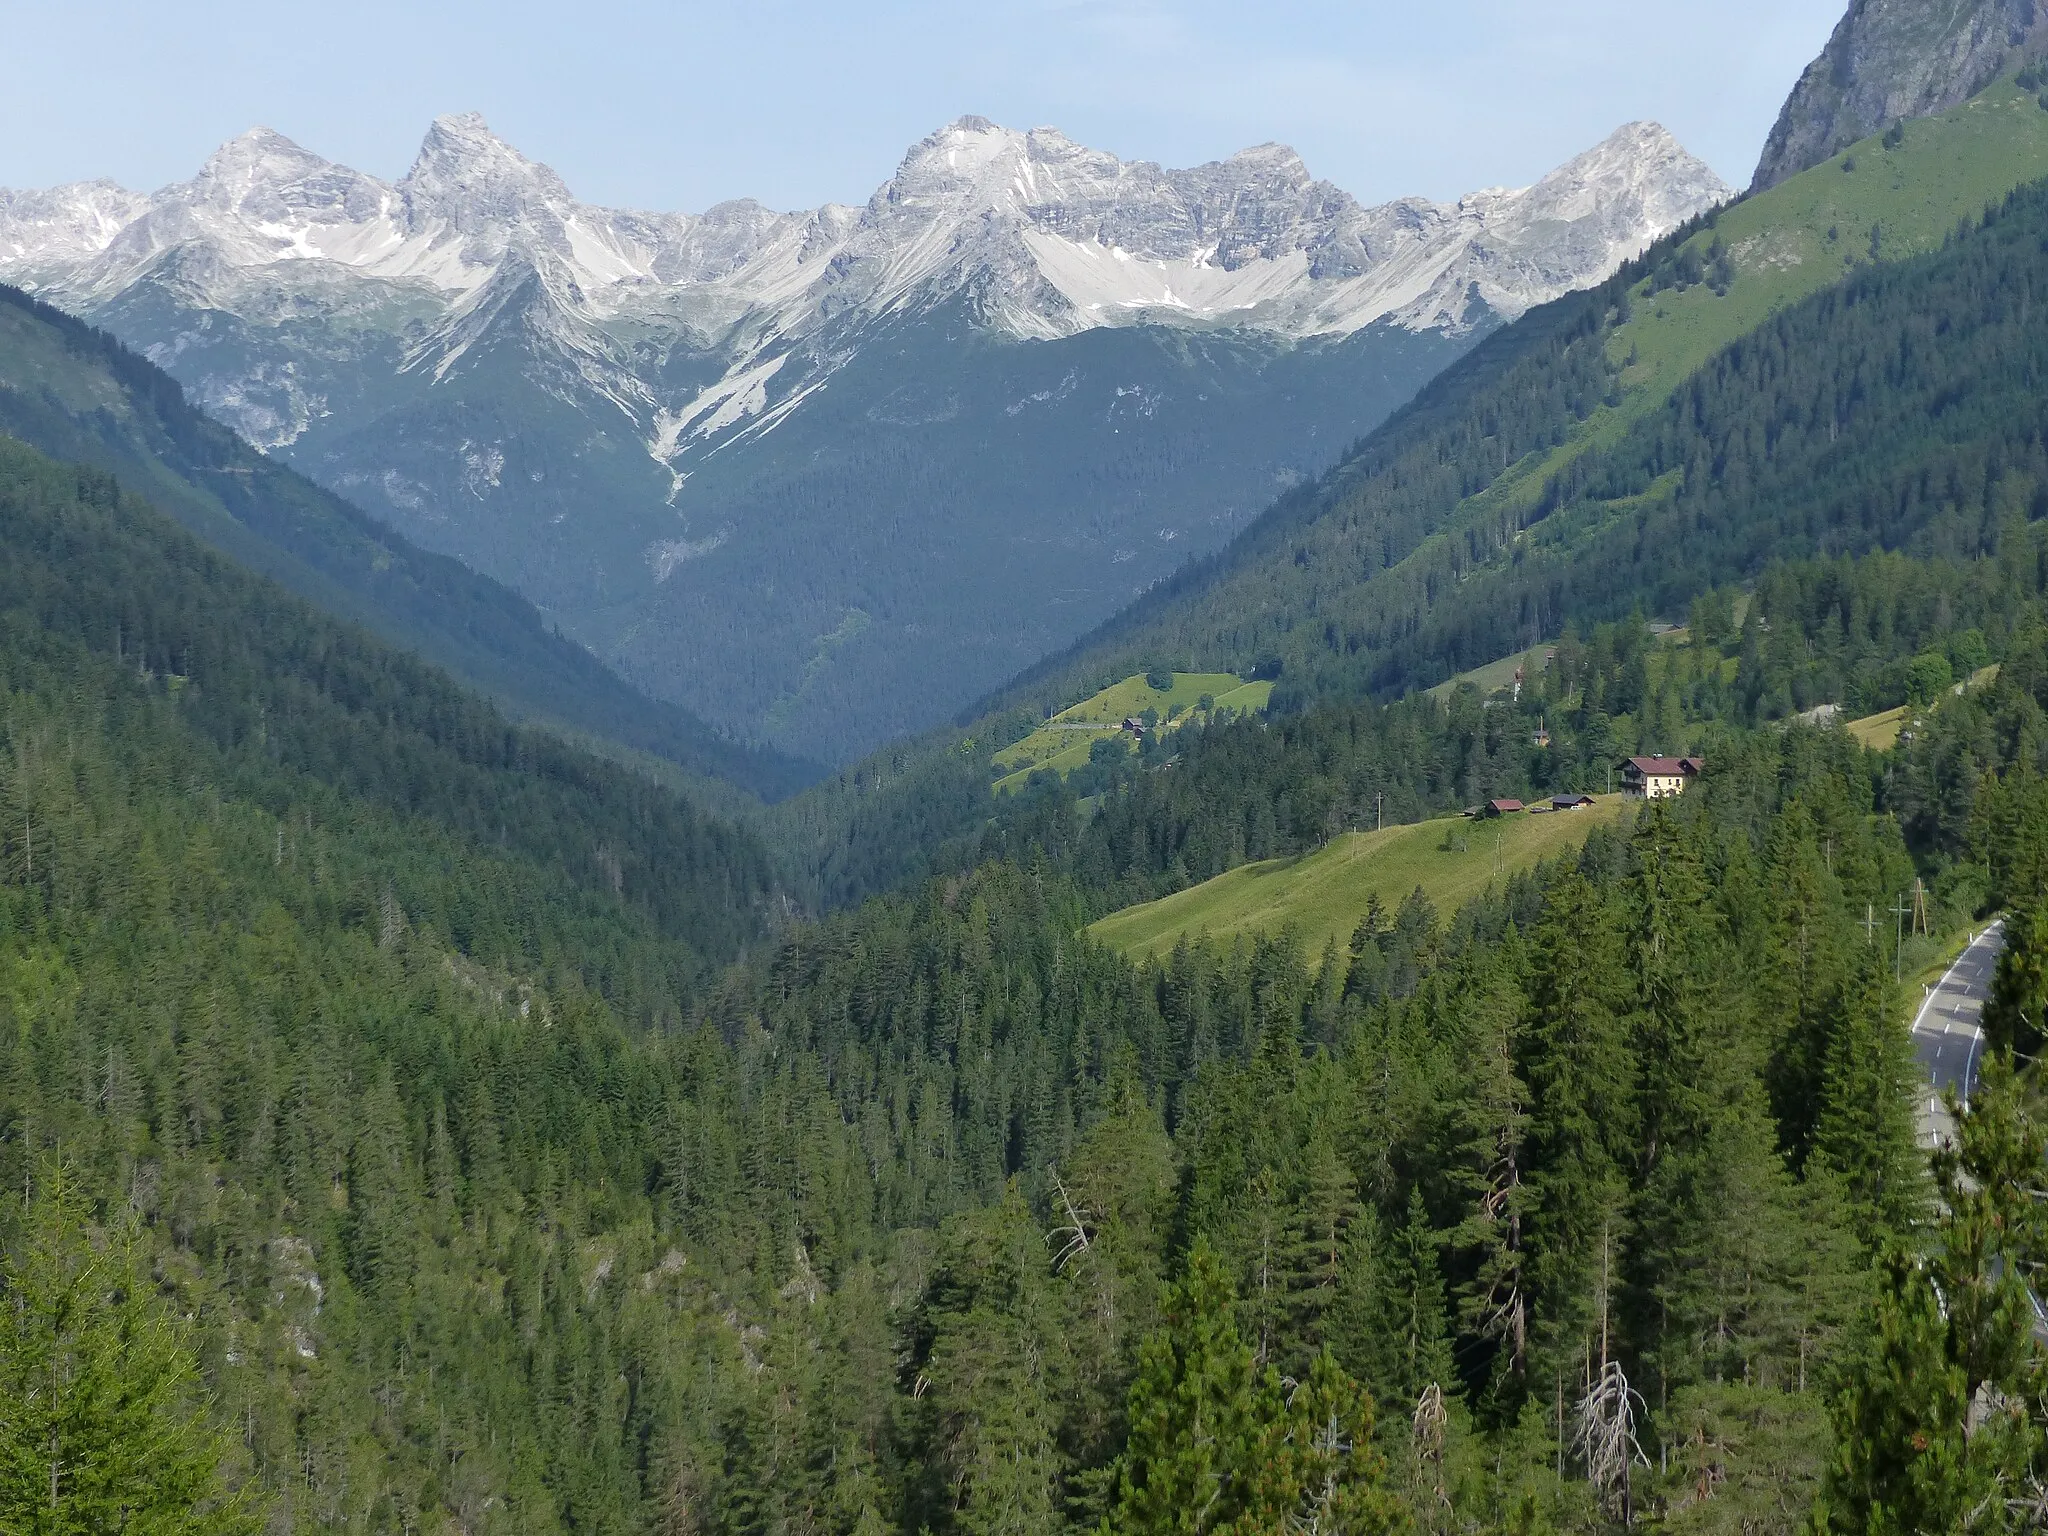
1312	1467
1191	1413
103	1425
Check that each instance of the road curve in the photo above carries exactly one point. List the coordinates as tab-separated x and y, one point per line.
1948	1038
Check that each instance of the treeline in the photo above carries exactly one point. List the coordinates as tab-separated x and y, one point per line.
1863	633
1894	411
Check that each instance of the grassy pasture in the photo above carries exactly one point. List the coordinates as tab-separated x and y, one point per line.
1062	743
1322	896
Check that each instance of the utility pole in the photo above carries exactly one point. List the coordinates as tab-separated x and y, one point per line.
1869	924
1921	924
1379	810
1899	911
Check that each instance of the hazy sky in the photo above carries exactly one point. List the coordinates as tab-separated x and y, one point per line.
678	105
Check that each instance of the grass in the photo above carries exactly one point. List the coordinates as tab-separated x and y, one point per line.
1880	732
1788	244
1535	661
1062	743
1495	674
1321	896
1812	229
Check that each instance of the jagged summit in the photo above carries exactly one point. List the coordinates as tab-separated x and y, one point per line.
1039	236
820	473
1052	237
476	182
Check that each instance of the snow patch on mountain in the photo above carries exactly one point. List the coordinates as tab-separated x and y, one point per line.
1041	238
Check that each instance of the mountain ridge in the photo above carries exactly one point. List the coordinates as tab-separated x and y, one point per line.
1237	235
824	477
1891	60
77	394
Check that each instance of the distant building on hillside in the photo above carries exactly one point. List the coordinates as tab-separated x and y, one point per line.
1500	808
1653	778
1570	802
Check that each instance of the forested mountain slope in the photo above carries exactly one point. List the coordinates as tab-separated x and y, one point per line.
79	395
1770	388
381	1029
1367	580
309	717
875	1242
822	477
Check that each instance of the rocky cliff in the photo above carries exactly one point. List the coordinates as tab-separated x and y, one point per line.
1895	59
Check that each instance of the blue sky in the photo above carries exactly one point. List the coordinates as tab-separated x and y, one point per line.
797	102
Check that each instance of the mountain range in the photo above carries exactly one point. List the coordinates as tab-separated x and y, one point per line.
821	477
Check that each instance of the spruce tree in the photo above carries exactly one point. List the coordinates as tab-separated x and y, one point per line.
2016	1014
103	1424
1864	1133
1487	1167
1941	1427
1583	1120
1414	1311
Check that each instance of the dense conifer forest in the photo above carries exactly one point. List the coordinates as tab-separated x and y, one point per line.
77	394
412	1122
422	1126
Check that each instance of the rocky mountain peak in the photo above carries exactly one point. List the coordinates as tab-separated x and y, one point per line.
58	229
1895	59
263	177
470	179
1639	176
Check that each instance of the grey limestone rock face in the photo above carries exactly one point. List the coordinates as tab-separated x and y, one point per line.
1894	59
822	475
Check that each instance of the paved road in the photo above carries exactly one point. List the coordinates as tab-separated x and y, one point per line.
1947	1041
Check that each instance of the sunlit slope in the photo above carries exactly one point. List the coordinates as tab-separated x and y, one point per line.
1322	896
1329	577
1062	744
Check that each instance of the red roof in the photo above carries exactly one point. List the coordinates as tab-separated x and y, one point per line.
1666	767
1505	805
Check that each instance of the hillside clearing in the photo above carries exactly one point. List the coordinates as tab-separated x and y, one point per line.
1322	896
1062	744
